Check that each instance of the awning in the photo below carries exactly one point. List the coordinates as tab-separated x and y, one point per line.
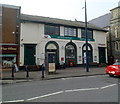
7	55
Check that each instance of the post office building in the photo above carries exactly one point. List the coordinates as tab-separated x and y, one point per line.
62	41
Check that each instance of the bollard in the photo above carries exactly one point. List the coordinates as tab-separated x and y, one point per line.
13	67
43	69
27	72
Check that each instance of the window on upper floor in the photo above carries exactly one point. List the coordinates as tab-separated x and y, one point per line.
116	32
69	31
117	46
51	30
89	33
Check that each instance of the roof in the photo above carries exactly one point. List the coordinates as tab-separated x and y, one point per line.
115	8
102	21
10	6
41	19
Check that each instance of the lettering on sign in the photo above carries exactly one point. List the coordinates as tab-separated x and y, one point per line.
8	49
11	48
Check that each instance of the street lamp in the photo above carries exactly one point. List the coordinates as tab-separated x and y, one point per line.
87	62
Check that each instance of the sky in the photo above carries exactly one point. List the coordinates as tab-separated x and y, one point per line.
64	9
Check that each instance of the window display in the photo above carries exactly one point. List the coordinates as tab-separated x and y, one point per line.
8	61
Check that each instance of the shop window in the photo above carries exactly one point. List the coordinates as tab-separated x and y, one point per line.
70	51
68	31
52	30
7	62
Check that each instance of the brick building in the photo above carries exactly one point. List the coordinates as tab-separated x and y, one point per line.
9	44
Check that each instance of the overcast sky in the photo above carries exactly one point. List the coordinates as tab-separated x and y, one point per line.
64	9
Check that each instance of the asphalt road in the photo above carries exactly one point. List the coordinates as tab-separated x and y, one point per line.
99	88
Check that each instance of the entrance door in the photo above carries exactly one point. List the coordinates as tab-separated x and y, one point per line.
51	57
29	54
102	56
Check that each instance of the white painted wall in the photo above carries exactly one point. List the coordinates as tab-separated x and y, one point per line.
31	33
79	32
61	30
100	38
100	41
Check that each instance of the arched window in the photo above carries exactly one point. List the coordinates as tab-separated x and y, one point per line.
117	46
70	51
90	53
70	54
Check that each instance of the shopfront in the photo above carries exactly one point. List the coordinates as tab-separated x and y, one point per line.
8	53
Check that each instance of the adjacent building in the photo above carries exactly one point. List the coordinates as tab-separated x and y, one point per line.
62	41
10	36
111	22
114	43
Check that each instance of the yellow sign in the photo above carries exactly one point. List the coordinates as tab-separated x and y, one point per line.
8	48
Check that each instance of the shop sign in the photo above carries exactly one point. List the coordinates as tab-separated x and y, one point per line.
69	38
8	49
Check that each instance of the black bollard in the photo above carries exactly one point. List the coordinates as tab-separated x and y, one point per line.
27	72
13	67
43	69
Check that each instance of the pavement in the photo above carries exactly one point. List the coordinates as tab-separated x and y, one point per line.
20	76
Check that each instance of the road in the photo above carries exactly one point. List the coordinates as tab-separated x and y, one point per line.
99	88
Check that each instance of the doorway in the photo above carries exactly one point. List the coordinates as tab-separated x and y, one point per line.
29	54
102	55
52	50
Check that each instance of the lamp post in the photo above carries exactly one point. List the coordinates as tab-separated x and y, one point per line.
87	62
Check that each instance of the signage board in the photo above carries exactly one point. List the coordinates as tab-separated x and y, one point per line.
51	67
8	49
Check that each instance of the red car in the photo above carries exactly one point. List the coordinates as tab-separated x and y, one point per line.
113	69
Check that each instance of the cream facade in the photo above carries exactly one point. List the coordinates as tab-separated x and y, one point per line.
35	42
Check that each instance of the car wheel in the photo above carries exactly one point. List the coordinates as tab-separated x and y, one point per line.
111	75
